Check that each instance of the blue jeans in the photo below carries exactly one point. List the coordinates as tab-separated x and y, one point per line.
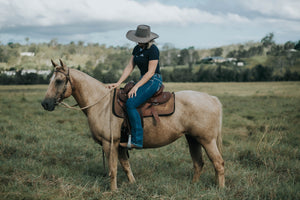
142	95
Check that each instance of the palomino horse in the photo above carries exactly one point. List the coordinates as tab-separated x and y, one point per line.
198	116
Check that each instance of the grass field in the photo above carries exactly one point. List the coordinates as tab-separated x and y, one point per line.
51	155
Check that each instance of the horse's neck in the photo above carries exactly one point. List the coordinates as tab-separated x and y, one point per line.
87	89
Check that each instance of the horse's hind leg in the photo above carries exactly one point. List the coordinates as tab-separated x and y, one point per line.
123	158
217	160
196	154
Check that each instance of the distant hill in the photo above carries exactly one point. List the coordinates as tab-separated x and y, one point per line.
100	60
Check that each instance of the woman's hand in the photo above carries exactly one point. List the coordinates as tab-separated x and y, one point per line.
113	85
132	92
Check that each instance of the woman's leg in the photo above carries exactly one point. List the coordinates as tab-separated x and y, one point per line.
143	94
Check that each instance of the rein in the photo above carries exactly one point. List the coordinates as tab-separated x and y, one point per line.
86	107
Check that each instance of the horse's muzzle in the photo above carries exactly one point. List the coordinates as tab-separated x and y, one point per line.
49	104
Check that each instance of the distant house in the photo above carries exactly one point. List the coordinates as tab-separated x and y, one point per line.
9	73
215	59
207	60
218	59
292	50
231	59
27	54
28	71
222	60
44	72
240	64
34	71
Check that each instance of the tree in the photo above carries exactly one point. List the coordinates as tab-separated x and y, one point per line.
217	52
53	42
297	46
268	40
289	45
261	73
27	40
97	72
184	57
195	57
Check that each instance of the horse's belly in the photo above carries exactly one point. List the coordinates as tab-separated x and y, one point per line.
159	135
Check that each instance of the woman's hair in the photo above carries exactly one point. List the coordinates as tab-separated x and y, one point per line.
149	44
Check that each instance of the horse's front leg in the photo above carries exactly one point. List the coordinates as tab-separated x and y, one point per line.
111	153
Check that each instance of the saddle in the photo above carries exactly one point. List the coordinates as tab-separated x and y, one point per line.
160	104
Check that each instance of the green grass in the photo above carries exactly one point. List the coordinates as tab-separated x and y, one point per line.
51	155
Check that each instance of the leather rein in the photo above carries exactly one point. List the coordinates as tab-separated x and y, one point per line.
60	100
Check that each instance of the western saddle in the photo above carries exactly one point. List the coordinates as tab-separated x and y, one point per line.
160	104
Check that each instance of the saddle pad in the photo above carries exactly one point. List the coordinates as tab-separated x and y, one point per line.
165	109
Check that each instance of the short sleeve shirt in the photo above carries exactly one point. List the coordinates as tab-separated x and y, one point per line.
143	56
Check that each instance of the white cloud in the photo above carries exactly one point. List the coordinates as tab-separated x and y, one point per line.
106	21
289	9
65	12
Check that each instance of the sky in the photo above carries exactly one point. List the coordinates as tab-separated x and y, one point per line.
180	23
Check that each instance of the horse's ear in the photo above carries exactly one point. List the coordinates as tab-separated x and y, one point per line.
53	63
62	64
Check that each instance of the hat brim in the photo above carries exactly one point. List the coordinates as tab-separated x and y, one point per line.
131	36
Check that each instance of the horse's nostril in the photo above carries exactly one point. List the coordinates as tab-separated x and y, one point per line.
48	104
44	104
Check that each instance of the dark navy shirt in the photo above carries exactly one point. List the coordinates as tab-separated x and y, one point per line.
142	57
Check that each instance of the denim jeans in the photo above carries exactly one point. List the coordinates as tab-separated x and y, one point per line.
142	95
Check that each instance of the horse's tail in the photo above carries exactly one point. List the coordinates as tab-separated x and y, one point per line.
219	137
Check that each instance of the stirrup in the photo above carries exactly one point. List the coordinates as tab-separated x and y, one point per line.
129	142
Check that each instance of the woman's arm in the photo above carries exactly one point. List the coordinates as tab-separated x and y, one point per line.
126	72
151	71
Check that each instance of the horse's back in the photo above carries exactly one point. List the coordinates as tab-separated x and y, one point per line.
199	112
194	99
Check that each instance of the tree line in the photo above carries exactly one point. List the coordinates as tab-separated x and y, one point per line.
280	62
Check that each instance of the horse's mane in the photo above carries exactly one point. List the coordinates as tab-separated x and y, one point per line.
89	78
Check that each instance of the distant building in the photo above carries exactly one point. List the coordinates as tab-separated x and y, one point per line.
218	59
44	72
27	54
222	60
231	59
9	73
34	71
240	64
28	71
214	59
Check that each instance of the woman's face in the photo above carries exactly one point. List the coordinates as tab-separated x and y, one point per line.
142	45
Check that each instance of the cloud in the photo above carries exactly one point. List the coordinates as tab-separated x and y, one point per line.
98	15
287	9
106	21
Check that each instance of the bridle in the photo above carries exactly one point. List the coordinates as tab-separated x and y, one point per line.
68	79
61	98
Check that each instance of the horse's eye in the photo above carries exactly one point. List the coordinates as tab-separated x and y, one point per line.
58	81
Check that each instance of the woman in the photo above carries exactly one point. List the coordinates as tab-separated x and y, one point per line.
145	55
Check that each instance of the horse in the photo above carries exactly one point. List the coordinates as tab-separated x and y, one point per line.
198	116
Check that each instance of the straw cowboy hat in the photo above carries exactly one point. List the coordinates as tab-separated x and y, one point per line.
142	34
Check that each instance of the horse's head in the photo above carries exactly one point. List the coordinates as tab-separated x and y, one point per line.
60	86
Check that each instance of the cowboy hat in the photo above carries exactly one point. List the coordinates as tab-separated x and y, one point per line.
142	34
